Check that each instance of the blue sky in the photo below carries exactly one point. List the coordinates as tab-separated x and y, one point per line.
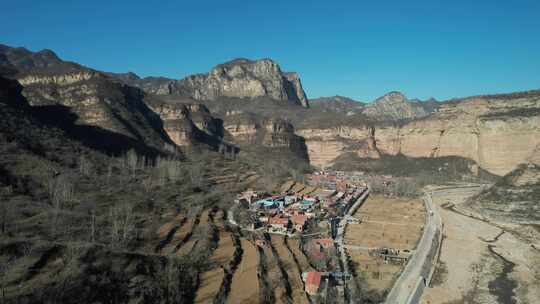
360	49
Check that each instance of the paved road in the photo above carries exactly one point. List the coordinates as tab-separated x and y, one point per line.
406	284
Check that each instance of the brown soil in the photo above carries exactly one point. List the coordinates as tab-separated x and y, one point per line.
294	276
210	281
384	222
245	284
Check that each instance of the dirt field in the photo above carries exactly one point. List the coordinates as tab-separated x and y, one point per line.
274	276
294	276
387	222
302	260
245	284
187	248
211	280
479	262
384	222
379	275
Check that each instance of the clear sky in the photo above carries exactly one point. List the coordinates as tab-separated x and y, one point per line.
360	49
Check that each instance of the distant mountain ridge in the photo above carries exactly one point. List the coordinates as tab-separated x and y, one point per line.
395	106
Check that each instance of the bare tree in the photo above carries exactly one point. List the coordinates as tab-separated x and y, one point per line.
4	208
132	160
85	166
122	224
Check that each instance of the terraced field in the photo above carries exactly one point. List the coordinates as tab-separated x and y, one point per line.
294	275
211	281
278	283
245	282
294	246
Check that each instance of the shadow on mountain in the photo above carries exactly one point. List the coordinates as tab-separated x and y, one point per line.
94	137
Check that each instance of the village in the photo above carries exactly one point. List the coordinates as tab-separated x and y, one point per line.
311	212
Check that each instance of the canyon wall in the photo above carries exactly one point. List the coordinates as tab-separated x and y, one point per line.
497	133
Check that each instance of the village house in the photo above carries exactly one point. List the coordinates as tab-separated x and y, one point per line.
299	221
246	196
278	223
313	282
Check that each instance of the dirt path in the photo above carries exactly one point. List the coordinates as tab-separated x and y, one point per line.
245	282
482	263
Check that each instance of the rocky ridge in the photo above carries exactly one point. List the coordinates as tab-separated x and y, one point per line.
240	78
395	106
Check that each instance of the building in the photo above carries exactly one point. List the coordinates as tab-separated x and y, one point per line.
299	221
324	243
313	282
279	223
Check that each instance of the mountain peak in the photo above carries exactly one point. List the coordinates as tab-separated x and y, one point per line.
392	97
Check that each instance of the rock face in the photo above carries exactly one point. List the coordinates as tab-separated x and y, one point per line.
274	133
498	132
395	106
91	97
240	78
190	124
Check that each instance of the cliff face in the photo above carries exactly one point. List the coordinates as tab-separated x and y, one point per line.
498	132
190	124
91	97
240	78
271	133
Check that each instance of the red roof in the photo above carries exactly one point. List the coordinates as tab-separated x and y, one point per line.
324	242
276	220
299	219
313	278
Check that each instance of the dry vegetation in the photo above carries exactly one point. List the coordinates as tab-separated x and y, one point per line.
383	223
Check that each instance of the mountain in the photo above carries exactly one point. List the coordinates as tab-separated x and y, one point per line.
395	106
240	78
337	104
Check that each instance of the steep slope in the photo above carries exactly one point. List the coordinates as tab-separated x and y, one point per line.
515	198
91	97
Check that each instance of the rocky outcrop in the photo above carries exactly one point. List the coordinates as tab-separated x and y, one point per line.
395	106
97	101
498	132
240	78
274	133
152	85
189	124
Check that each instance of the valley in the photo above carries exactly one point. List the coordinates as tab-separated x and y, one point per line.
232	186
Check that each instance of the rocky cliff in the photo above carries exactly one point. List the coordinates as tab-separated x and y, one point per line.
498	132
274	133
84	97
240	78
